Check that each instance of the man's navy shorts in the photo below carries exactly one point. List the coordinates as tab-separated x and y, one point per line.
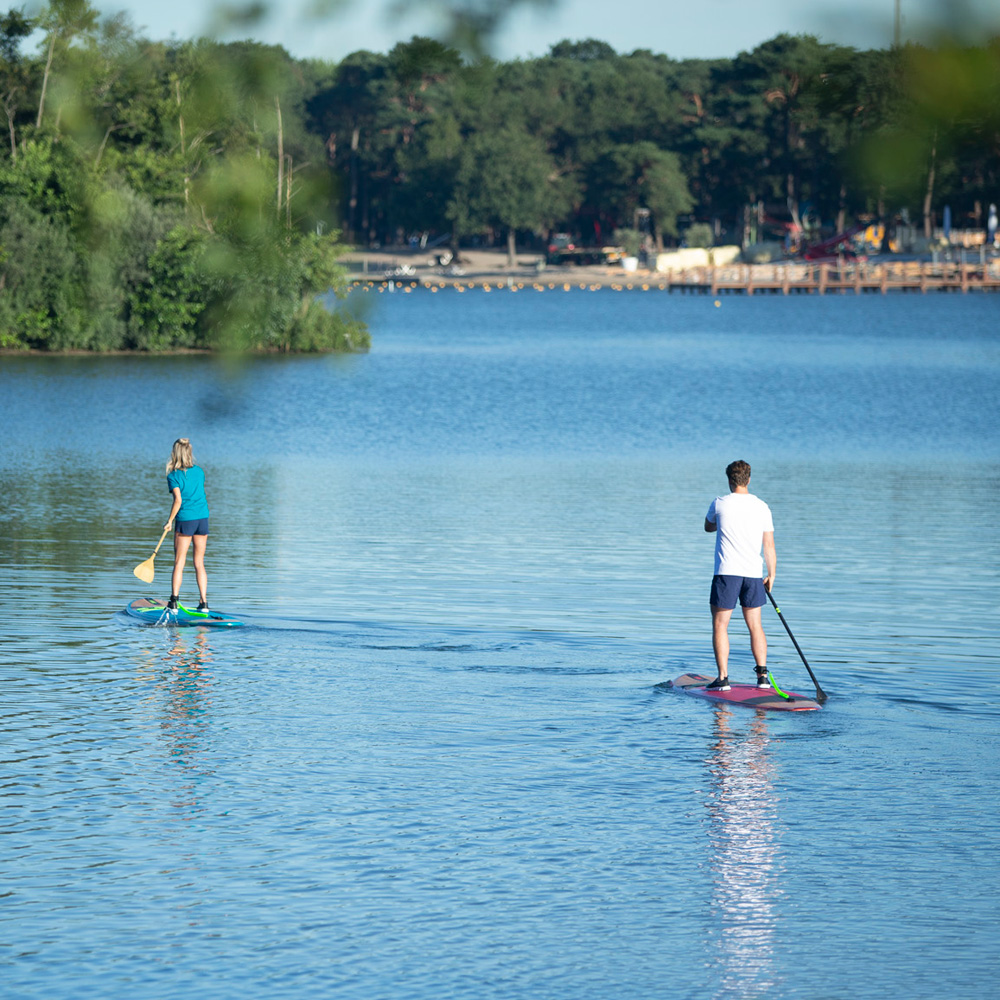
199	526
749	590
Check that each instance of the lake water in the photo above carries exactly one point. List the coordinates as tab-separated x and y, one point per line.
442	761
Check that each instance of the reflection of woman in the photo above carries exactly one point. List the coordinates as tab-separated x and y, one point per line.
186	483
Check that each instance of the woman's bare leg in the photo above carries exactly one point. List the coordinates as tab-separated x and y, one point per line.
181	545
200	544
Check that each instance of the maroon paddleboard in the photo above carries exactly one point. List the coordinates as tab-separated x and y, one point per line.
744	694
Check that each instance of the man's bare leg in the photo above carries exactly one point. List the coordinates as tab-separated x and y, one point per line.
758	641
720	638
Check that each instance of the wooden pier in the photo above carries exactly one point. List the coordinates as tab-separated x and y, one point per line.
847	277
780	278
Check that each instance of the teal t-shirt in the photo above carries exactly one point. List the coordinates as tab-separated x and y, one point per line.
191	483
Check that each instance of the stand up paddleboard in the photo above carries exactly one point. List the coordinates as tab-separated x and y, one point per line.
744	694
154	612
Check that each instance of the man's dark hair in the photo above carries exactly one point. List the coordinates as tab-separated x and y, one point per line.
738	473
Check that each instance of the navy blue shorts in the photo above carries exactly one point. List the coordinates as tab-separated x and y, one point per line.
199	526
749	590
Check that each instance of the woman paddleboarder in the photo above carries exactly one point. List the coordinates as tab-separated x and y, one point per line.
189	515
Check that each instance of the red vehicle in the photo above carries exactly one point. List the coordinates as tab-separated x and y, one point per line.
835	247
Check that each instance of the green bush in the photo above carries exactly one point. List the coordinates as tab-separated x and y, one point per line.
699	234
41	279
763	253
165	308
318	329
630	240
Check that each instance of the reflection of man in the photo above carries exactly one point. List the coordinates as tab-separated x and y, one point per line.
744	526
743	830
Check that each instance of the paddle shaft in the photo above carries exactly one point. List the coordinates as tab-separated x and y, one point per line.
820	695
164	535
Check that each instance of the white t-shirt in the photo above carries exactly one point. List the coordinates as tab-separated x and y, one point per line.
741	520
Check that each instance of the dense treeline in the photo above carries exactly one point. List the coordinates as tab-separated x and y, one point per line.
157	196
188	194
586	140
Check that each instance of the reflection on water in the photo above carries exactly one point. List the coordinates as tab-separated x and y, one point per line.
179	708
428	771
742	808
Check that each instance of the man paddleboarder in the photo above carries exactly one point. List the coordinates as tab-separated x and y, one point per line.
744	528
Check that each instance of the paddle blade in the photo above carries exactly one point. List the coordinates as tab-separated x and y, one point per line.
145	570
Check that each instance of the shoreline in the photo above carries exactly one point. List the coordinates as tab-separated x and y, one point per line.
488	270
475	268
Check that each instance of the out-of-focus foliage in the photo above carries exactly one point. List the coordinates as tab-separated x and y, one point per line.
161	196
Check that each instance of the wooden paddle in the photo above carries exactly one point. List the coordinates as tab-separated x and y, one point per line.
145	569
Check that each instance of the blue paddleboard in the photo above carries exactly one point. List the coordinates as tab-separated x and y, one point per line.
154	612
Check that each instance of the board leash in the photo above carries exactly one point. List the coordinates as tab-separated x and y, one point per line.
777	689
194	614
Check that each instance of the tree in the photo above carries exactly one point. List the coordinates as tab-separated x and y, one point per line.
505	179
665	191
346	113
155	202
63	21
589	50
762	124
165	308
42	305
642	176
15	73
952	117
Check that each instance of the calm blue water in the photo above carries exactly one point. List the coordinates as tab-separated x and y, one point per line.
442	762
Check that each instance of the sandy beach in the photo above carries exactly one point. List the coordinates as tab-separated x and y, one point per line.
480	267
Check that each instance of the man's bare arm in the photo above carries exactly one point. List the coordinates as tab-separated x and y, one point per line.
770	559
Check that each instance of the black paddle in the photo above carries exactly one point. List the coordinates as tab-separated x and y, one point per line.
820	694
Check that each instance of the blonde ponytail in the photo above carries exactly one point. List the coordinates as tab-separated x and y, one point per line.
181	456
